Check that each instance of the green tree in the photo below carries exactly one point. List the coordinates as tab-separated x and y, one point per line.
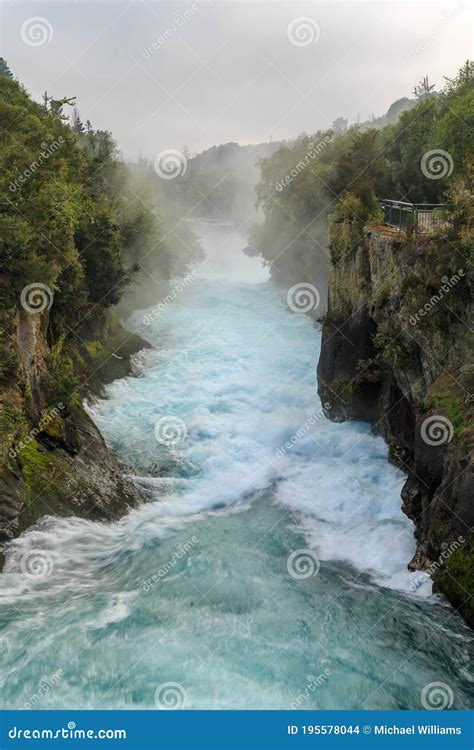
4	69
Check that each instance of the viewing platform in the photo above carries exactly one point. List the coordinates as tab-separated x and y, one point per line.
424	218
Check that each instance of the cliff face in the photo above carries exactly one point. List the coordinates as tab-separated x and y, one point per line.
53	459
396	352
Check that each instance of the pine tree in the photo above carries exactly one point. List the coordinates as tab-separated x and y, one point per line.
4	69
423	88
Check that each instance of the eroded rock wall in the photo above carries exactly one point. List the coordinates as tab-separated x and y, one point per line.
396	351
53	459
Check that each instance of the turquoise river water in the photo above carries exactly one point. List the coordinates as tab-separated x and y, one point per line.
258	575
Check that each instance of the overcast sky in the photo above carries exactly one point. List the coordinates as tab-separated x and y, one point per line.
238	71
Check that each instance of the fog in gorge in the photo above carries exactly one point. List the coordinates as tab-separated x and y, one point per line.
193	586
221	477
228	71
220	86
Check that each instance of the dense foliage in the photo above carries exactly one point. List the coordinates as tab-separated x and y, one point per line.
73	218
348	172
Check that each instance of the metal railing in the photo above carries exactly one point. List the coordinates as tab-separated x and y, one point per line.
421	217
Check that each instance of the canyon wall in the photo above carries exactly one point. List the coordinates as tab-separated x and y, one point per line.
397	352
53	459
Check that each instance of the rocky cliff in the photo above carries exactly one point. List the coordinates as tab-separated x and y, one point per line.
395	352
53	459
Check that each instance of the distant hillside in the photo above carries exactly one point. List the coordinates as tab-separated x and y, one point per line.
219	183
392	114
231	156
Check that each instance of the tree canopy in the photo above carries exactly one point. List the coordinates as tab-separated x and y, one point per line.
351	169
72	215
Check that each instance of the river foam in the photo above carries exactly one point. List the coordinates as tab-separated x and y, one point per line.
195	587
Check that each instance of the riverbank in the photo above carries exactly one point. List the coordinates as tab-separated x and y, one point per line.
257	576
396	353
61	464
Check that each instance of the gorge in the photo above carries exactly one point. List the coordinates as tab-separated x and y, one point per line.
216	490
193	588
385	360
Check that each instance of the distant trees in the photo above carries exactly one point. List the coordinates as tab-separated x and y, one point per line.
359	166
4	69
218	183
445	123
340	125
423	88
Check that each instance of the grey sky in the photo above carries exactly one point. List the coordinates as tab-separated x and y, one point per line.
229	71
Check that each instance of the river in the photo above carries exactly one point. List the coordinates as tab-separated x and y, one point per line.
268	569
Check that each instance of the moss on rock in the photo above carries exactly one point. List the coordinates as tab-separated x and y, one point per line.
396	351
456	580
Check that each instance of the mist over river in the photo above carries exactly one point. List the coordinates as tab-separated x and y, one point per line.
269	568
